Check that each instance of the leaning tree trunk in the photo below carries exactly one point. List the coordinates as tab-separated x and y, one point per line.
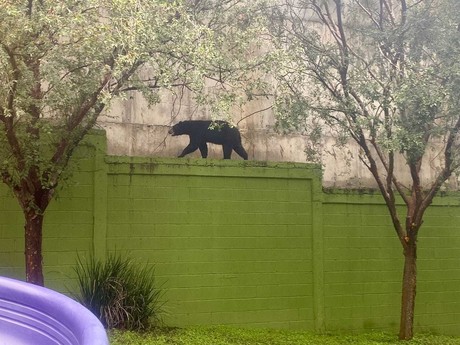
406	330
33	247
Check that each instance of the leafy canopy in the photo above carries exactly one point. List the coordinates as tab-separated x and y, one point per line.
62	62
385	73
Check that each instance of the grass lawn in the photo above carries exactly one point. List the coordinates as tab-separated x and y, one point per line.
238	336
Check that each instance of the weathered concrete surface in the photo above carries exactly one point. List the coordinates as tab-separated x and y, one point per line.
135	129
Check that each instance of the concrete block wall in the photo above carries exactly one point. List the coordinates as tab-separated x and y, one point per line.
245	243
69	222
68	225
231	243
364	264
11	236
438	308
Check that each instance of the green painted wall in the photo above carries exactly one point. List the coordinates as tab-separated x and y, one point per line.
364	262
232	242
68	224
245	243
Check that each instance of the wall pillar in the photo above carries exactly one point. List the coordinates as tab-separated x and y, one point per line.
100	198
318	256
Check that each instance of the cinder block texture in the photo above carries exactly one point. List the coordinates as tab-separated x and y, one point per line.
68	224
244	243
364	263
232	242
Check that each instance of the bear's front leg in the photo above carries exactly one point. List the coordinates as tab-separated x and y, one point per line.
188	149
227	151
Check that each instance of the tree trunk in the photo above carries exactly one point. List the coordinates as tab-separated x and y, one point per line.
33	247
406	330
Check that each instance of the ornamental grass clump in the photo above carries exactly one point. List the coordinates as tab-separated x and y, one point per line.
120	292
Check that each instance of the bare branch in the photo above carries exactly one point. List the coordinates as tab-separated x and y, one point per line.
254	113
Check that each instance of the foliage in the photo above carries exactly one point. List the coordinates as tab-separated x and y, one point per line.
234	336
63	61
239	74
121	293
384	74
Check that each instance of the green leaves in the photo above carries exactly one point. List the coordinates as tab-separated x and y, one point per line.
120	292
385	76
62	62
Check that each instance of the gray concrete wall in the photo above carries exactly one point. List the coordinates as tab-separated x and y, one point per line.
135	129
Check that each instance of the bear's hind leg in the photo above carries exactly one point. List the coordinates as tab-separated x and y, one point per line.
227	151
241	152
203	149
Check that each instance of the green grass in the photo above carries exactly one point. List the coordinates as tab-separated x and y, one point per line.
238	336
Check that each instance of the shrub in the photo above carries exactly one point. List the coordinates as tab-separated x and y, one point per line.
120	292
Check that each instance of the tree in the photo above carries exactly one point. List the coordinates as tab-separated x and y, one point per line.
385	73
62	61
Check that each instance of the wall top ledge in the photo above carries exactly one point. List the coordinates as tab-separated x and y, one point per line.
211	167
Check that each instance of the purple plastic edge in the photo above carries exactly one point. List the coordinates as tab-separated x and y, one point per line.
84	325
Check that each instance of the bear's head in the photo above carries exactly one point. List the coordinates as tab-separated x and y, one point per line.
179	128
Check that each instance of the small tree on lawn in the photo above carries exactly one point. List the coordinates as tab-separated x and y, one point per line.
385	73
62	61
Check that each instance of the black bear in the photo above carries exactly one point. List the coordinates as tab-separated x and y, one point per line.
216	132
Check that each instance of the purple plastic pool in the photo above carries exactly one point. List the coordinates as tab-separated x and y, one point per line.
33	315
